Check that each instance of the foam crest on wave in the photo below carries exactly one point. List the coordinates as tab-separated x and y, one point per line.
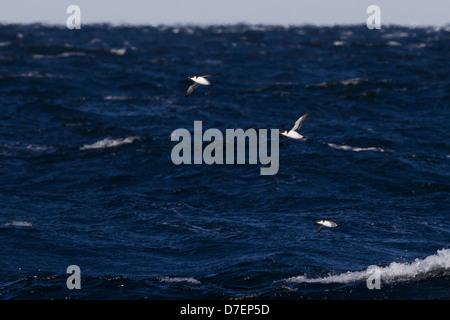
108	143
355	149
61	55
394	272
18	224
188	280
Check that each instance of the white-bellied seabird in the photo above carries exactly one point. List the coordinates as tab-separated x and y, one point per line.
198	80
293	134
326	223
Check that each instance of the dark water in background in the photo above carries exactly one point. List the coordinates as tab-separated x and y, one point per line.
87	179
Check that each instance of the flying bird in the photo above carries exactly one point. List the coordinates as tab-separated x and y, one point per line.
199	80
326	223
293	133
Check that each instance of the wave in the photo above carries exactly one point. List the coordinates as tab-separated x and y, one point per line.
39	148
393	35
119	52
62	55
188	280
393	43
122	98
336	83
18	224
19	147
355	149
338	43
108	143
276	85
395	272
31	74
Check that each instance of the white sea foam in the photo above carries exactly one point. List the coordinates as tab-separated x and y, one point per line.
355	149
108	143
346	82
117	98
352	81
393	43
395	35
62	55
394	272
33	74
417	46
18	224
188	280
38	148
119	52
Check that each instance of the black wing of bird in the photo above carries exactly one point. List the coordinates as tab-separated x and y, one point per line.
211	75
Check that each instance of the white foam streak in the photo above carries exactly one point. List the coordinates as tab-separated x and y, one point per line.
394	44
61	55
346	82
394	272
108	143
179	280
119	52
338	43
355	149
117	98
18	224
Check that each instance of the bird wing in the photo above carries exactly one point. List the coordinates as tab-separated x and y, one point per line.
320	228
191	89
211	75
299	122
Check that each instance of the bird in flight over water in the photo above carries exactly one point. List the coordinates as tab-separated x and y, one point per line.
200	80
293	133
326	223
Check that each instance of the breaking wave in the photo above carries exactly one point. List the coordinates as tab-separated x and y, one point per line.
61	55
108	143
18	224
355	149
395	272
187	280
346	82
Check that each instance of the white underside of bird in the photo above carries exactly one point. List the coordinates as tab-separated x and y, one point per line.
293	135
201	80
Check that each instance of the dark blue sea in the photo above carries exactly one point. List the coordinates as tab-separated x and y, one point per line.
87	179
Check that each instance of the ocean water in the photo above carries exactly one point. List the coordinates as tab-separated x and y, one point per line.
87	178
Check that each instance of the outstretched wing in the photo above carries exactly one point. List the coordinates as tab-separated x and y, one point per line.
299	122
211	75
191	89
320	228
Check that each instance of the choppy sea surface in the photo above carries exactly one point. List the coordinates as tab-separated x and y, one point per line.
87	178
